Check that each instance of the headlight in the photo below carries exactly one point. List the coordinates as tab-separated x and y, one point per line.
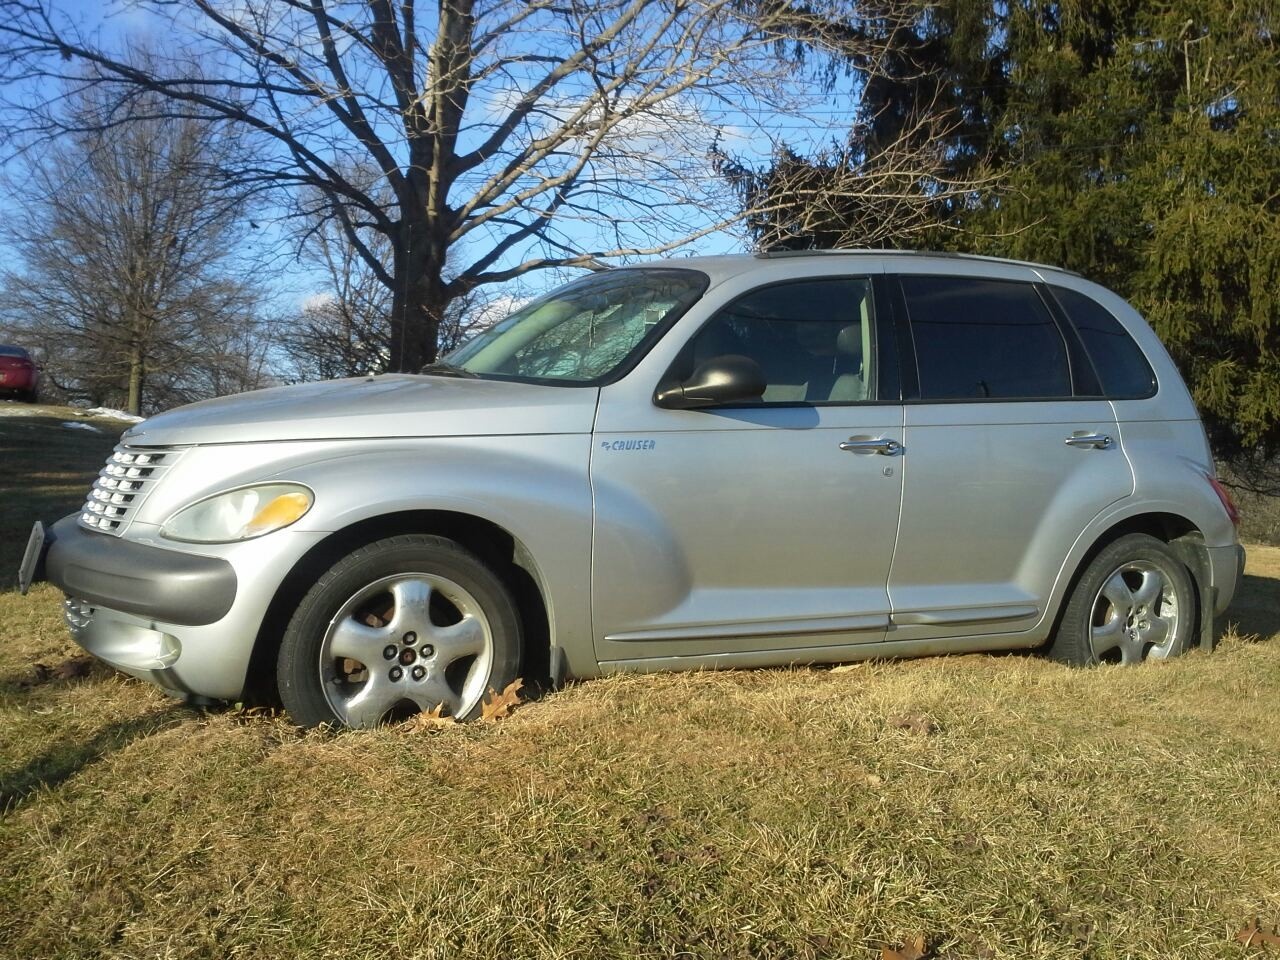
239	514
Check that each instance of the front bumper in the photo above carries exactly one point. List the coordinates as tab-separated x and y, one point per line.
132	646
151	582
185	622
17	382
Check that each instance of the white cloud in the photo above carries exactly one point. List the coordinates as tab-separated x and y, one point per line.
495	310
316	301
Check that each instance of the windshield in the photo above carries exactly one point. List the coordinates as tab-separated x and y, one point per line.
585	332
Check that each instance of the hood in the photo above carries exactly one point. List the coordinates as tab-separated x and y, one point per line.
392	405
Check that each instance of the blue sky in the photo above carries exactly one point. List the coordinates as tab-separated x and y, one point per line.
746	131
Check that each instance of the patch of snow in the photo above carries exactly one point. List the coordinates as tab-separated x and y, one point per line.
76	425
113	414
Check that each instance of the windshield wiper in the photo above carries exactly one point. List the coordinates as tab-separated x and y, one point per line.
442	368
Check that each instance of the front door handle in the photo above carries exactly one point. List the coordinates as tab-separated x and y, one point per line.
880	445
1099	441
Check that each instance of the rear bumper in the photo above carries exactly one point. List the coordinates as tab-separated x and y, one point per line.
134	578
1226	570
18	381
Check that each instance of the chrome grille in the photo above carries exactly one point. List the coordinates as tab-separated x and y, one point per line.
123	484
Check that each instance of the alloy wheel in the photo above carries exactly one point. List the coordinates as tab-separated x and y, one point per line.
413	641
1135	615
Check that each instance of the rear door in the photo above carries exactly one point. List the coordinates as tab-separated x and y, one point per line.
1009	454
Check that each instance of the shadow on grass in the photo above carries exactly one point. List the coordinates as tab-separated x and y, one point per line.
63	762
70	672
1256	607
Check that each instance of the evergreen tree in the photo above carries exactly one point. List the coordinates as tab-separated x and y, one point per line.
1144	152
934	92
1136	144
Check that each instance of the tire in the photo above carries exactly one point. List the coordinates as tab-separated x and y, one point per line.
1134	602
401	625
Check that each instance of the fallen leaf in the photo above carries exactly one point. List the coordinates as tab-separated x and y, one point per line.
913	948
252	714
849	667
916	723
707	856
872	780
500	705
432	719
1255	935
971	842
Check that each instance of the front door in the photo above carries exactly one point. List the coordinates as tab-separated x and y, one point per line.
750	531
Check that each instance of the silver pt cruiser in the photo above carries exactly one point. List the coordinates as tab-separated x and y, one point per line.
709	462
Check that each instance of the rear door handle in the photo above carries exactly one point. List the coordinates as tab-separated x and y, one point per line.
1099	441
880	445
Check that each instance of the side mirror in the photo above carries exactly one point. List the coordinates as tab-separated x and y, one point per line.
721	381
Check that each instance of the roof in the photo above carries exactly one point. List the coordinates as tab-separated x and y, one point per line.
946	254
726	265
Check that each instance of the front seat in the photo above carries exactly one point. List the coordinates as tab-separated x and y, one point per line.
849	385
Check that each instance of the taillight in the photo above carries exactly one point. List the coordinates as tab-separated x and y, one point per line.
1225	496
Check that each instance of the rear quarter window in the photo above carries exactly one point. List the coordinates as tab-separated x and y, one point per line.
1122	367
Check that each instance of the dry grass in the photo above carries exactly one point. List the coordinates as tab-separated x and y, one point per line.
1052	813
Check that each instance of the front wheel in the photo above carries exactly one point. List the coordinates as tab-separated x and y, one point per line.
405	624
1134	602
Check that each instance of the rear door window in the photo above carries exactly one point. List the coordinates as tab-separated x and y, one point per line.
985	340
1120	363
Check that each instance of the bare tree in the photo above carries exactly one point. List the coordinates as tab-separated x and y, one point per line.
236	350
863	193
343	329
127	248
510	135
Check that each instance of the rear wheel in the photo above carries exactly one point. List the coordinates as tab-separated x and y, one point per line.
1134	602
405	624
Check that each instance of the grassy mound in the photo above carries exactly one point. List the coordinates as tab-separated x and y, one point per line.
996	806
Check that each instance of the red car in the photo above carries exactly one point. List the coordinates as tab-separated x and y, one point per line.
18	374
